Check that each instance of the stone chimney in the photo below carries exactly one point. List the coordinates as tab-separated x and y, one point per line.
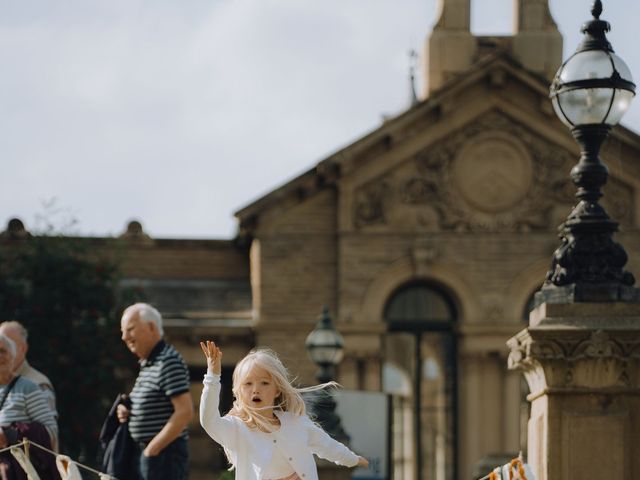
537	43
15	230
451	49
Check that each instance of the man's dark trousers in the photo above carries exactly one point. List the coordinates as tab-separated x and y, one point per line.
170	464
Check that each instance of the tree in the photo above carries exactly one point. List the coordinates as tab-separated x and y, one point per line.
66	294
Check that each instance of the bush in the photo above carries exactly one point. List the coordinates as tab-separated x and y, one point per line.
66	296
227	475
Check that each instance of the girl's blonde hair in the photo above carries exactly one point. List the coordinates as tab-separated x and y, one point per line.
289	399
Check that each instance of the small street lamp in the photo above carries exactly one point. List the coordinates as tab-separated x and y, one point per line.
590	93
326	348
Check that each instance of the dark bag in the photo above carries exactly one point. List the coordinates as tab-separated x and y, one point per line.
43	462
116	444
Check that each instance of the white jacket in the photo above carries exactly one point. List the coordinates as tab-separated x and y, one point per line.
298	439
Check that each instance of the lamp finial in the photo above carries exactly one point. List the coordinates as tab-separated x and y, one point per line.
596	9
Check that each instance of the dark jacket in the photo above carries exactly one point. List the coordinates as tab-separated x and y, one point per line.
117	445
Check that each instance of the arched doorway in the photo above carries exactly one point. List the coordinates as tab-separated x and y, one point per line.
421	348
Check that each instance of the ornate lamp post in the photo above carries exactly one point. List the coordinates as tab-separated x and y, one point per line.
579	351
326	348
590	93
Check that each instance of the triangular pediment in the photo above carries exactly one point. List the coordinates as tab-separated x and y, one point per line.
492	174
484	152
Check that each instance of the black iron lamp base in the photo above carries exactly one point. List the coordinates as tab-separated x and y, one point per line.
588	265
585	293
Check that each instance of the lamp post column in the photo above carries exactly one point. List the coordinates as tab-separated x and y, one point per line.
326	348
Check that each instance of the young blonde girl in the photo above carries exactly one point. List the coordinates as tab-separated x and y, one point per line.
267	434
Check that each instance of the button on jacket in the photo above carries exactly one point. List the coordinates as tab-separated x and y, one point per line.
251	450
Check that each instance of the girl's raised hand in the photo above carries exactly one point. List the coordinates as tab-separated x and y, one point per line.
214	356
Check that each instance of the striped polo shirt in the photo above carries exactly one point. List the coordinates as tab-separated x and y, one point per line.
162	375
26	402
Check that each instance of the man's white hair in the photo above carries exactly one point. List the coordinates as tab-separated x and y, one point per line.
22	330
146	313
10	344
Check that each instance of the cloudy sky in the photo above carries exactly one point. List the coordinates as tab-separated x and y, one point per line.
180	112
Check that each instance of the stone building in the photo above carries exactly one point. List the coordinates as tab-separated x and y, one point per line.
426	238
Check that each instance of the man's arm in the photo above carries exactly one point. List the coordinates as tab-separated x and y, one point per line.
182	414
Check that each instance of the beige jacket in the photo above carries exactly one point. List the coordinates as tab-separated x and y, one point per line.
40	379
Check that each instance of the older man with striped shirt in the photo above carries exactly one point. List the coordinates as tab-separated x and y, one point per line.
19	334
161	405
21	400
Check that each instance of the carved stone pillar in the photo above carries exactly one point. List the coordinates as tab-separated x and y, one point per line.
582	363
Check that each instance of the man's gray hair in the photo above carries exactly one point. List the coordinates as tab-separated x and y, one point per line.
10	344
146	313
22	331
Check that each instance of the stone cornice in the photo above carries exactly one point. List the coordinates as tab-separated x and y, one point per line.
575	359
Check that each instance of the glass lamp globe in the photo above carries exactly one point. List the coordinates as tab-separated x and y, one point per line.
592	87
324	344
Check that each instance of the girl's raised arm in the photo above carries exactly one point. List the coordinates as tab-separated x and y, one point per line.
222	429
214	356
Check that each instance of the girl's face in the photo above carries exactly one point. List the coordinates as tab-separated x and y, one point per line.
258	389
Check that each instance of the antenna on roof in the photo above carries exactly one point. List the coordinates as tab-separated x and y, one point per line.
413	58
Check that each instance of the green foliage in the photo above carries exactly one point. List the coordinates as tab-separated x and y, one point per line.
227	475
66	295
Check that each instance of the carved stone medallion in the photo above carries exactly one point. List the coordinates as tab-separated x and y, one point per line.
492	172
